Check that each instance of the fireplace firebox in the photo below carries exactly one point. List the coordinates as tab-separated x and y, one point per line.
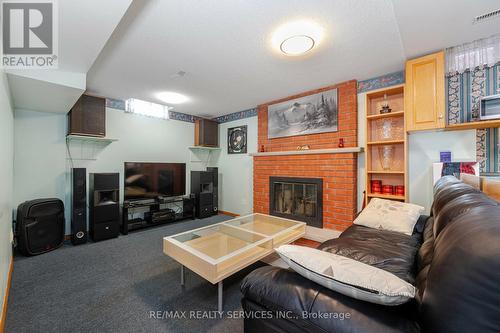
297	199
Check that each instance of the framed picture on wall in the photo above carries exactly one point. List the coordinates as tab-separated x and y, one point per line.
317	113
237	140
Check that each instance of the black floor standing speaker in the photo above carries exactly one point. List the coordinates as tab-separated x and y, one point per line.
104	205
79	229
215	179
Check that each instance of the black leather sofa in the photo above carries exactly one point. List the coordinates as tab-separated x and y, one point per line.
453	258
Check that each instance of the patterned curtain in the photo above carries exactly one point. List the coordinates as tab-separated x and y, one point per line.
464	91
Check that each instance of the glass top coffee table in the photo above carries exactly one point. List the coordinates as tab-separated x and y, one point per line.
220	250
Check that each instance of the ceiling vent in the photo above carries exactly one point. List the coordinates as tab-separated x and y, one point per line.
178	74
487	16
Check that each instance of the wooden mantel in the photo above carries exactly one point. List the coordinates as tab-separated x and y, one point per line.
311	151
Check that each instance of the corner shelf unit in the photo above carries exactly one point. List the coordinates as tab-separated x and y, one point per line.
81	147
202	154
386	130
88	139
203	148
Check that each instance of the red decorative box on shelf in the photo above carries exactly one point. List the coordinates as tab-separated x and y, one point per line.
376	186
387	189
400	190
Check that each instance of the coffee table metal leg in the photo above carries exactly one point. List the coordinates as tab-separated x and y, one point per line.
219	287
182	275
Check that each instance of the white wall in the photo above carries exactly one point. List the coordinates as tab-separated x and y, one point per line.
6	181
42	167
40	156
424	148
236	170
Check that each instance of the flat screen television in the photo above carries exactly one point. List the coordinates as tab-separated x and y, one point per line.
153	180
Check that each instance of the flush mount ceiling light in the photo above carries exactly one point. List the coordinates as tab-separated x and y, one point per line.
297	37
171	97
297	45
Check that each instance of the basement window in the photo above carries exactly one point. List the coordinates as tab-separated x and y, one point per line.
148	109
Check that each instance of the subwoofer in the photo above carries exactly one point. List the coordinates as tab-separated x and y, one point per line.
188	206
79	206
104	205
205	205
40	226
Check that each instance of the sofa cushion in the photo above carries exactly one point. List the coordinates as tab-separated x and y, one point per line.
388	250
457	206
390	215
426	249
278	289
440	184
463	291
424	257
347	276
444	182
445	194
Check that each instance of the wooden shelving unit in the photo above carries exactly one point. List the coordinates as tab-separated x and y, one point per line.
386	129
389	172
385	115
386	196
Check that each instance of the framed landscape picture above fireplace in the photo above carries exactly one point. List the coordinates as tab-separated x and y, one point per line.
311	114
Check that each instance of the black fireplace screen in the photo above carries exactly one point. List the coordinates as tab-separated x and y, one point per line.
298	199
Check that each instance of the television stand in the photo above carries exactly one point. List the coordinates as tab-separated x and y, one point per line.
147	213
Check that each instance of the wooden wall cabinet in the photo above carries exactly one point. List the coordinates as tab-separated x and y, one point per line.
425	93
88	117
206	133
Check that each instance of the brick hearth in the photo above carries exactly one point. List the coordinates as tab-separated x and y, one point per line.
338	171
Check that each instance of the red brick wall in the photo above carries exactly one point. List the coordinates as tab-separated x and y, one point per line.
339	171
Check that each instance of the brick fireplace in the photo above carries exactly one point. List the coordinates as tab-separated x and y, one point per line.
336	170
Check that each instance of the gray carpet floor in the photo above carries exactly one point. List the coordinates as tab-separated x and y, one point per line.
113	285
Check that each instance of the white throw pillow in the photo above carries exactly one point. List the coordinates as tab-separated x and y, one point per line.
390	215
347	276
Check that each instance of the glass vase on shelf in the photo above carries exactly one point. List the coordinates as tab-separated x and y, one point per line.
398	131
385	129
386	156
